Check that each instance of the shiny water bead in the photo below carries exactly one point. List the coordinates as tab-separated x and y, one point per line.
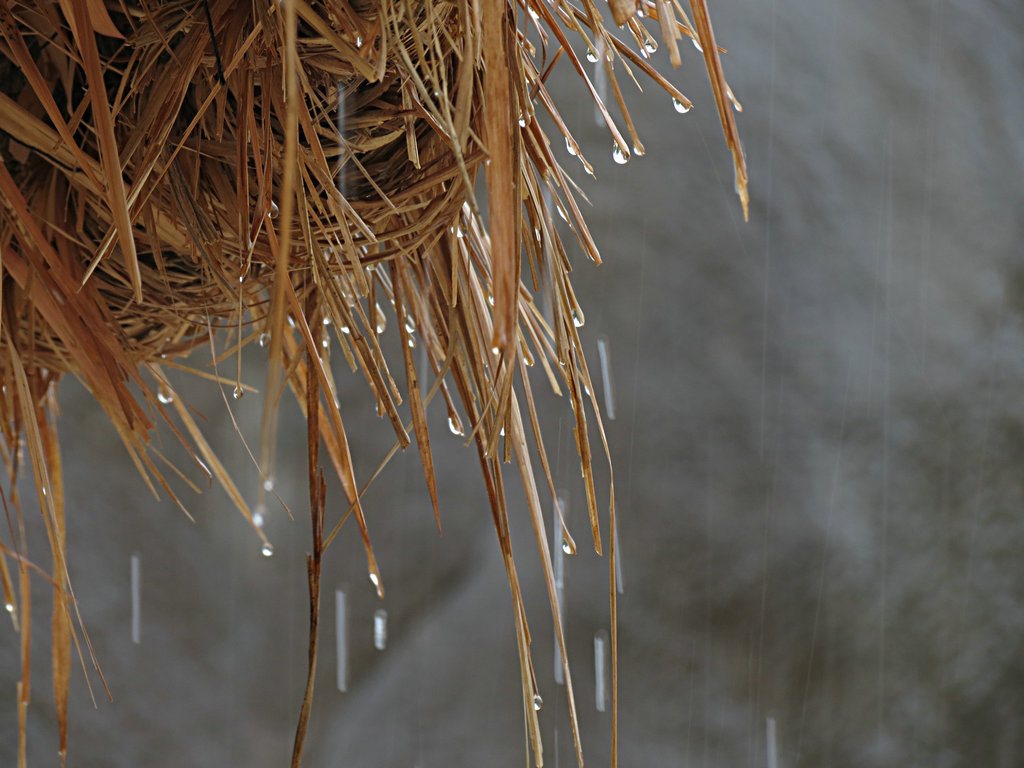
680	107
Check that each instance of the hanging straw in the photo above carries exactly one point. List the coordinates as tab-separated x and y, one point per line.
171	169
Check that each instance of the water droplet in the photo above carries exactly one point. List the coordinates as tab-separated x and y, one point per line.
264	339
268	549
680	107
619	156
577	318
459	233
375	580
359	42
538	702
268	484
380	629
639	151
325	342
522	122
164	395
651	45
640	11
696	44
344	329
412	342
257	516
501	432
274	210
571	147
237	392
490	299
561	211
592	56
534	15
9	607
566	547
379	320
327	321
455	425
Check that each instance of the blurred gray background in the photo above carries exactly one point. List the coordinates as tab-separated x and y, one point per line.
819	448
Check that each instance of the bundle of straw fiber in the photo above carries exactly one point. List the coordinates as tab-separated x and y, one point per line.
281	170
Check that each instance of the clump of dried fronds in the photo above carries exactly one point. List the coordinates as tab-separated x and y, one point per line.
168	169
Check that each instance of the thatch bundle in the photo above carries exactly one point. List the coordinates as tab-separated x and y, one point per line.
287	171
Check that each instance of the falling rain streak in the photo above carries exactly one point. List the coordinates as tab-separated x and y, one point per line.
600	669
600	82
606	377
558	552
773	745
380	629
136	582
341	638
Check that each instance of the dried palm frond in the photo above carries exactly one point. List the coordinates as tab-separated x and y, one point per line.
168	169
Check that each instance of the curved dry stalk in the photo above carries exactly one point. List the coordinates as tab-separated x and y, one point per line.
255	168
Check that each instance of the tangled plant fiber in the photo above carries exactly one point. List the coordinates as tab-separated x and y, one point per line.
172	173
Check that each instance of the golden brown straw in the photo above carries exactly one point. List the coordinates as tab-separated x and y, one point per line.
171	169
